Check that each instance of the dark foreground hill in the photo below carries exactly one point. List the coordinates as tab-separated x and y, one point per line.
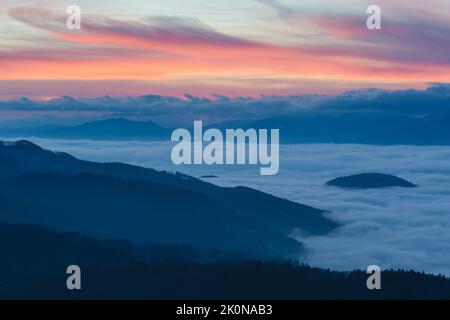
253	280
114	200
142	212
370	180
30	249
35	268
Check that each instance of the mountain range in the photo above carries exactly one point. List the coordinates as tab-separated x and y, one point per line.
378	128
372	127
109	129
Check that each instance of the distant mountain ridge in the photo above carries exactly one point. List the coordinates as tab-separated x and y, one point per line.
379	128
109	129
114	200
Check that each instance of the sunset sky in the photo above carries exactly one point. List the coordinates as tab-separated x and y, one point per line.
233	48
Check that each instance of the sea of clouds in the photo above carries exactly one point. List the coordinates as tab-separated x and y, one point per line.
391	227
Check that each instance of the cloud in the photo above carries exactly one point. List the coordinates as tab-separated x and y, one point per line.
155	31
433	101
413	39
186	50
410	35
283	11
164	40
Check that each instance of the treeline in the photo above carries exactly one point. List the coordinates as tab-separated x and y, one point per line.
28	249
33	262
223	280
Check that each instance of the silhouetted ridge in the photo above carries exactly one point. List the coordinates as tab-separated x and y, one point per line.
141	211
34	269
109	129
280	215
37	249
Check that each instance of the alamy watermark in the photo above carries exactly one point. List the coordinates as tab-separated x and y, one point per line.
238	147
73	281
374	280
373	22
73	21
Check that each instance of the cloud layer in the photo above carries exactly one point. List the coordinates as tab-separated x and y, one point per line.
171	111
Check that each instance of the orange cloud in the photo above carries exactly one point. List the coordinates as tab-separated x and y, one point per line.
177	49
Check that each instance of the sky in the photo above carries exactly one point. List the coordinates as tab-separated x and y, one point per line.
233	48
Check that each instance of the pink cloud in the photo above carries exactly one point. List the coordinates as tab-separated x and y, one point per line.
166	49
